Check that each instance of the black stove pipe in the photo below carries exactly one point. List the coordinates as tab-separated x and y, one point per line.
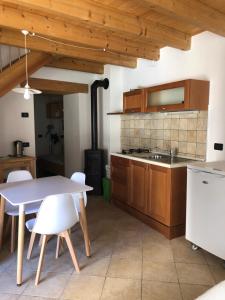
94	114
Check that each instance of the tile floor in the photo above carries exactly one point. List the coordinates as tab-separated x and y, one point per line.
130	261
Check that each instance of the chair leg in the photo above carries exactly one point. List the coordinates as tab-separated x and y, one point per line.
81	224
66	235
40	263
57	247
31	244
13	234
40	240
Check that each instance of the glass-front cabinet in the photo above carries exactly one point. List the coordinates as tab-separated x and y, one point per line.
181	95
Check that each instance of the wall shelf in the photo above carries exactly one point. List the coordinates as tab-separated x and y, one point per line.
116	113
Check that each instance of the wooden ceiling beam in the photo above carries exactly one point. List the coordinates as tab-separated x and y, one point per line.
56	86
15	38
76	65
107	18
57	29
15	74
194	12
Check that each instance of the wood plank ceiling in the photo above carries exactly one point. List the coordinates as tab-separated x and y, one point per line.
125	29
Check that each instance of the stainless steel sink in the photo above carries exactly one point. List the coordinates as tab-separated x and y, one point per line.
161	157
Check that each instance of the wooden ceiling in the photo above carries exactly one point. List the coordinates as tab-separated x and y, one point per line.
126	29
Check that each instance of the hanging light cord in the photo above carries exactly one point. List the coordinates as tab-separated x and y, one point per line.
70	45
26	65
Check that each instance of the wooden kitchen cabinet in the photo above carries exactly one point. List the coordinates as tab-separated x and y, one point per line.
187	94
138	185
154	194
133	101
11	163
120	175
158	194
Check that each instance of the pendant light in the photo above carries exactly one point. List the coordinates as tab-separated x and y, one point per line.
27	91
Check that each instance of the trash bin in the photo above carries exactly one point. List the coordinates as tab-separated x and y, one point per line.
106	188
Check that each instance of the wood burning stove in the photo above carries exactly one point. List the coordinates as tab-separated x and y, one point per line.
94	157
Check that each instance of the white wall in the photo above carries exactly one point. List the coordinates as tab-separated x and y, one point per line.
113	101
12	126
205	60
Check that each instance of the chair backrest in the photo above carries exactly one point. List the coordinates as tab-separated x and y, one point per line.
57	213
19	175
80	178
14	176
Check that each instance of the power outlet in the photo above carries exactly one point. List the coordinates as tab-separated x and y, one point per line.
218	146
26	144
25	115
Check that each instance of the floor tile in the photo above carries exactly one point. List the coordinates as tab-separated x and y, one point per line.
158	252
82	287
185	254
152	290
194	274
127	252
218	272
121	289
51	285
125	268
181	241
96	266
33	298
8	284
8	297
192	291
212	259
159	271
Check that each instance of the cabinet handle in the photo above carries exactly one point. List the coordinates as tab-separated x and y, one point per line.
163	108
205	182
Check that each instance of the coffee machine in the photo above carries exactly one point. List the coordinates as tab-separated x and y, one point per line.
18	148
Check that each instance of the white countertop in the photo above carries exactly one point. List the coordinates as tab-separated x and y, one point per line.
216	167
152	162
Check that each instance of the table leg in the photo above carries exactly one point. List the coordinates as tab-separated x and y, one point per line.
2	214
84	225
20	245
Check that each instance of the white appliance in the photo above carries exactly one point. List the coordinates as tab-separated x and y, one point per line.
205	214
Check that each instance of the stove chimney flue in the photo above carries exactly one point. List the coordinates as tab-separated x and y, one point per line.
94	110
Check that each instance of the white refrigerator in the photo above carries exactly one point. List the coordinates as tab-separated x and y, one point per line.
205	214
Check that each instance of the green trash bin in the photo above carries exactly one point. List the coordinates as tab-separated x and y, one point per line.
106	189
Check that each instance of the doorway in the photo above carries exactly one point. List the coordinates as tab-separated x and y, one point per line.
49	134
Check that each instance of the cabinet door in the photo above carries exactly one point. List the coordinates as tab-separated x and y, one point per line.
133	101
120	168
138	190
158	202
171	96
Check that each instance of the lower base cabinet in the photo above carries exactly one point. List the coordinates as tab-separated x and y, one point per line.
158	198
154	194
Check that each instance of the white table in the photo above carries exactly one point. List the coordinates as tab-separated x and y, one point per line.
30	191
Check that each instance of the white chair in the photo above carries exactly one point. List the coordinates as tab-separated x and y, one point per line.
56	215
80	178
13	211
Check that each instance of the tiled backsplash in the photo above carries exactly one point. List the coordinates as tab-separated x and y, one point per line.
186	131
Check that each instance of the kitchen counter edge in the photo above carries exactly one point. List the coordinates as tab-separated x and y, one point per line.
151	162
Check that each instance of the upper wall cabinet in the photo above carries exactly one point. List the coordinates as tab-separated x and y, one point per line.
181	95
133	101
